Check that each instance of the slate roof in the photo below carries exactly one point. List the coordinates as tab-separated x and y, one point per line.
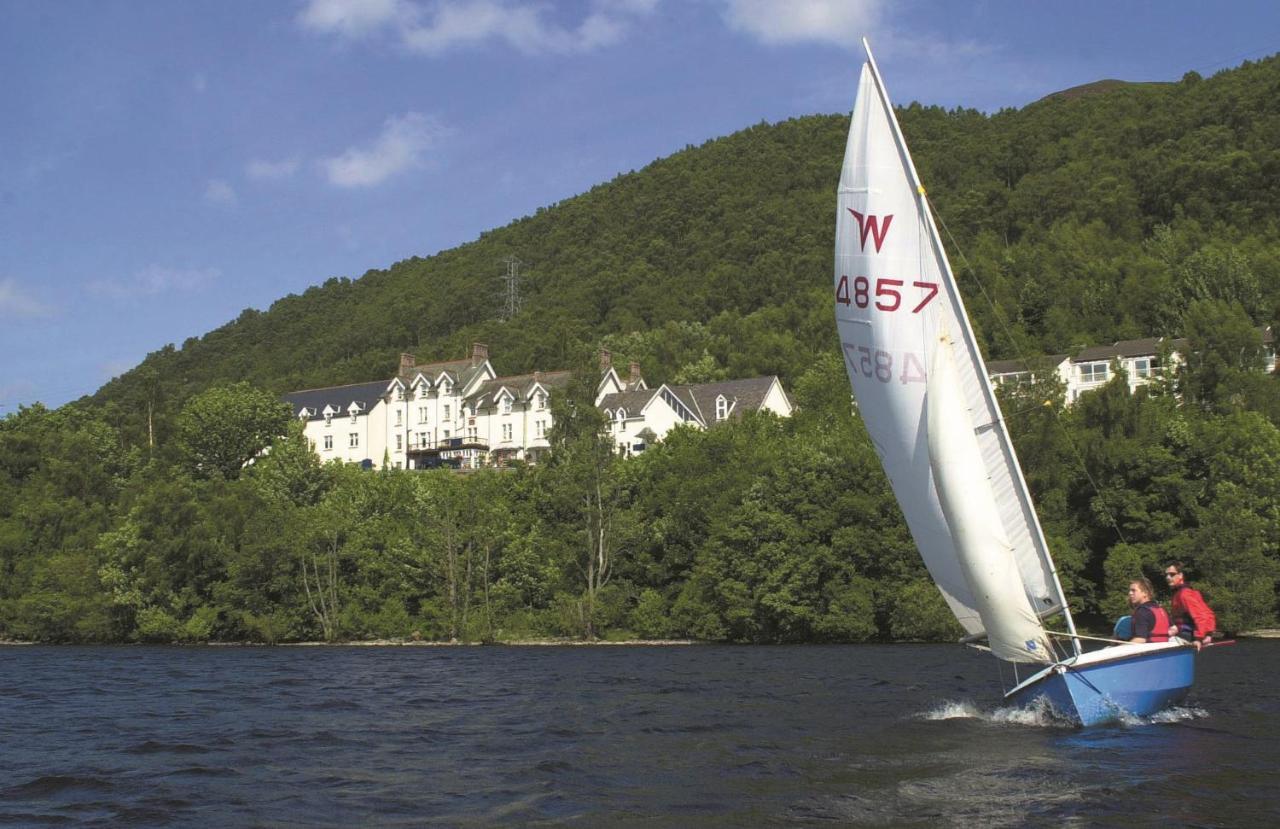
460	372
521	384
1127	348
743	396
339	397
632	401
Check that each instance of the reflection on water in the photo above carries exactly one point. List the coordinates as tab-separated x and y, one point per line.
698	736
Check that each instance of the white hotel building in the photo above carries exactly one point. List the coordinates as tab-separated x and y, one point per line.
459	413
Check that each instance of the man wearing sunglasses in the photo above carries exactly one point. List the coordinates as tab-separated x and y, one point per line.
1193	617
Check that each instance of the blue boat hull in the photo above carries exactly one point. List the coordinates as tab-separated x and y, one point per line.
1106	685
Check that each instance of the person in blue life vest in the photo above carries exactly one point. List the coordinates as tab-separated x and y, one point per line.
1150	620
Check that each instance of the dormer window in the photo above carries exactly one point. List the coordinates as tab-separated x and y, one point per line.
400	393
722	407
506	405
540	401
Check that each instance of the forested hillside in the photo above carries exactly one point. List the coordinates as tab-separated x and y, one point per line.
1087	219
1119	212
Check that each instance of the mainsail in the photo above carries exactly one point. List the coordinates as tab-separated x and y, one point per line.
923	392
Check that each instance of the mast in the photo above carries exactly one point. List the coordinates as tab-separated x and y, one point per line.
997	425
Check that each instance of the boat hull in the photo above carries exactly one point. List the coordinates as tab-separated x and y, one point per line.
1104	686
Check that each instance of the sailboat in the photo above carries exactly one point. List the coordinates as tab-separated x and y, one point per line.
923	391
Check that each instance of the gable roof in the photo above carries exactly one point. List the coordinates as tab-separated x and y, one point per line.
633	401
521	385
743	395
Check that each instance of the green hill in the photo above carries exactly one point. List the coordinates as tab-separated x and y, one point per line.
1132	210
1087	218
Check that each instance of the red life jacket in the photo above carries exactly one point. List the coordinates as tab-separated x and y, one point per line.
1160	627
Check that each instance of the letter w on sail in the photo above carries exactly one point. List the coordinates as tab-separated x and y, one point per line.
871	226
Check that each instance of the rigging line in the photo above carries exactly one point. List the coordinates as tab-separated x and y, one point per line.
1008	333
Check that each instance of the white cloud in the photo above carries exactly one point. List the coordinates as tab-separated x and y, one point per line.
454	24
400	147
155	279
219	192
271	170
842	22
16	302
352	18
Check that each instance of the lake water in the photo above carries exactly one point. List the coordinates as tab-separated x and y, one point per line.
868	735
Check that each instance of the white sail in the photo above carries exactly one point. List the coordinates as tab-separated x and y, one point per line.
896	302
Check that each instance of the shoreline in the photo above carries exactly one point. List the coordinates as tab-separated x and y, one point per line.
1261	633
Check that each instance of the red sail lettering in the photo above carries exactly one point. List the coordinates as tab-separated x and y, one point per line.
871	226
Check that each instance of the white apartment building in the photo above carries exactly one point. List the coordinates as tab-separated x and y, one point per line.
1091	367
459	413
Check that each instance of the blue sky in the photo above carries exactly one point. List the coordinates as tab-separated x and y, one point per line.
165	164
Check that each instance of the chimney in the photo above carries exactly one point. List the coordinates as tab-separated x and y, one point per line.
606	360
634	374
406	363
479	353
537	377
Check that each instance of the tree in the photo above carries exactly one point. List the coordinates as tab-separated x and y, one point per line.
222	429
584	491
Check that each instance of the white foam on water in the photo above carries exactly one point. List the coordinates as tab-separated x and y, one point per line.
953	710
1175	715
1038	715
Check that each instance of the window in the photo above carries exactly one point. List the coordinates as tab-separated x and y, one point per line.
328	418
1145	367
540	402
1093	373
446	411
422	414
722	407
422	439
354	414
540	428
399	442
398	415
355	440
506	432
400	393
328	442
506	405
444	434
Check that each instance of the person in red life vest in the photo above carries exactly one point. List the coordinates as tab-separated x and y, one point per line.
1150	621
1195	621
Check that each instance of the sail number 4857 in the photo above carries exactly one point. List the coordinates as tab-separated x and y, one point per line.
887	296
881	365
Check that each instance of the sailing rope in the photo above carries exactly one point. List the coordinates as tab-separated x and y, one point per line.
1008	333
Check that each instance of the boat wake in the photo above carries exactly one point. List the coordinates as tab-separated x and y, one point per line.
1042	715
